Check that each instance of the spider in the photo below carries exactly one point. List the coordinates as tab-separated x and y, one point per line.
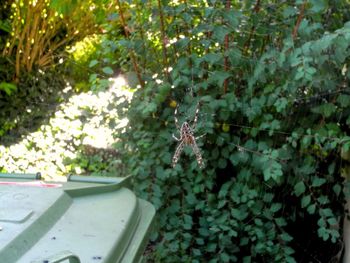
187	138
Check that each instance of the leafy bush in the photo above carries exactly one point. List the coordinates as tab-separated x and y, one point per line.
272	86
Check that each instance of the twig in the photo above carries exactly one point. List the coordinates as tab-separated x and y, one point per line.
227	42
164	39
256	10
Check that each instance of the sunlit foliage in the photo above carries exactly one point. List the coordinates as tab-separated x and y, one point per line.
41	29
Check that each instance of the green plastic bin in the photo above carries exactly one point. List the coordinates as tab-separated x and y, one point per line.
86	219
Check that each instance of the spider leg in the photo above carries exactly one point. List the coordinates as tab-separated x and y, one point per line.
178	152
176	120
176	139
195	119
200	136
198	154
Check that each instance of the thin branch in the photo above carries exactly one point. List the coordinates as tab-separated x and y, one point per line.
226	45
164	38
256	10
300	18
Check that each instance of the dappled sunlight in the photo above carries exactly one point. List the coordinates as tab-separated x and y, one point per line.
120	87
84	119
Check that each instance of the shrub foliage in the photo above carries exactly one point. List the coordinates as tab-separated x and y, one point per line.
271	80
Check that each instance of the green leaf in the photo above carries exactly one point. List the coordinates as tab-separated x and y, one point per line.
305	201
323	199
281	104
275	207
289	11
332	221
318	6
212	58
191	199
326	109
218	77
286	237
234	55
222	163
323	233
93	63
220	32
9	88
344	100
63	6
311	209
108	70
337	189
299	188
247	259
273	171
5	25
232	18
224	189
224	257
317	181
211	247
326	212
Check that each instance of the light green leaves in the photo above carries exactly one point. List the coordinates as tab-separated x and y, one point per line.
107	70
93	63
8	88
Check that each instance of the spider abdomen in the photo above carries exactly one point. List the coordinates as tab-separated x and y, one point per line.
187	138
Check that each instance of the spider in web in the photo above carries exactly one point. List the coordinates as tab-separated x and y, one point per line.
187	138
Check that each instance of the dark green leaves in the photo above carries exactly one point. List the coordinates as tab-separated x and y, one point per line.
326	109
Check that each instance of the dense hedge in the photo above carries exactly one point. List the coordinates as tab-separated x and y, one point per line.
272	83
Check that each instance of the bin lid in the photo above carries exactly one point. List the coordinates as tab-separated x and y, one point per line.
87	219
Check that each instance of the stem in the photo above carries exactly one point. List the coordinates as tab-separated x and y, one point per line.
297	24
256	10
162	30
131	52
226	46
142	35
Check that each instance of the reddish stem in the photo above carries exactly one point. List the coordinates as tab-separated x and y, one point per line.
300	18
